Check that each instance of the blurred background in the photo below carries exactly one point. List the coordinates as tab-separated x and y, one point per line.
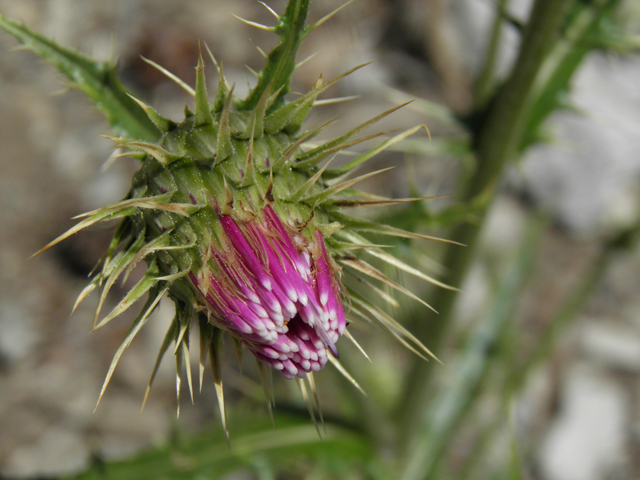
554	278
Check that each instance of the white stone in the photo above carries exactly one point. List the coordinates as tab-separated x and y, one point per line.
591	169
473	296
503	228
615	346
55	452
587	439
19	336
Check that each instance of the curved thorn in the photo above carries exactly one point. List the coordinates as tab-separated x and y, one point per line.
171	76
330	101
254	24
270	10
302	62
328	16
336	363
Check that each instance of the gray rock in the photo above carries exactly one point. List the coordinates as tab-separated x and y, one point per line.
588	437
56	452
591	169
613	345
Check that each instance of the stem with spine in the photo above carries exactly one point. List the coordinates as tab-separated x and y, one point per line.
449	405
486	79
496	142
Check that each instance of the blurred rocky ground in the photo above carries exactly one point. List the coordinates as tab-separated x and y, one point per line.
583	404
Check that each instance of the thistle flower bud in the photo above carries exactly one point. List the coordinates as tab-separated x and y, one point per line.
238	218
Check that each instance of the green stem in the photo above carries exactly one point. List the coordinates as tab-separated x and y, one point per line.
486	80
281	61
495	143
450	405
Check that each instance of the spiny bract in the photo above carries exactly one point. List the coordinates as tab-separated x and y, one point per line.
241	227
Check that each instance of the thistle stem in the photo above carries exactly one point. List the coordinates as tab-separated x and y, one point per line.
495	141
281	61
447	409
486	80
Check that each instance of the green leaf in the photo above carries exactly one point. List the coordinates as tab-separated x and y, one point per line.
98	80
587	29
207	455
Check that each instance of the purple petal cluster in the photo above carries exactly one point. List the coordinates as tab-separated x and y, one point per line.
277	293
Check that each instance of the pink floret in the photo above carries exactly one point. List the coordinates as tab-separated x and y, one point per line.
277	293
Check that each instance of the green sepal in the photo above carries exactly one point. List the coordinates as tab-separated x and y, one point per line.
122	232
108	261
292	112
321	197
171	335
155	295
338	143
148	280
255	126
362	225
224	146
163	124
294	148
296	121
321	153
156	151
221	92
203	109
359	160
120	262
277	120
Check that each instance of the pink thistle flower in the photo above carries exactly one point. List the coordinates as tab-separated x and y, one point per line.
276	292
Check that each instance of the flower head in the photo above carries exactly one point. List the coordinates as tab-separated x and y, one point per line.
240	223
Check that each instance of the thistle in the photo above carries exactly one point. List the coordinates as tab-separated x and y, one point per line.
239	219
